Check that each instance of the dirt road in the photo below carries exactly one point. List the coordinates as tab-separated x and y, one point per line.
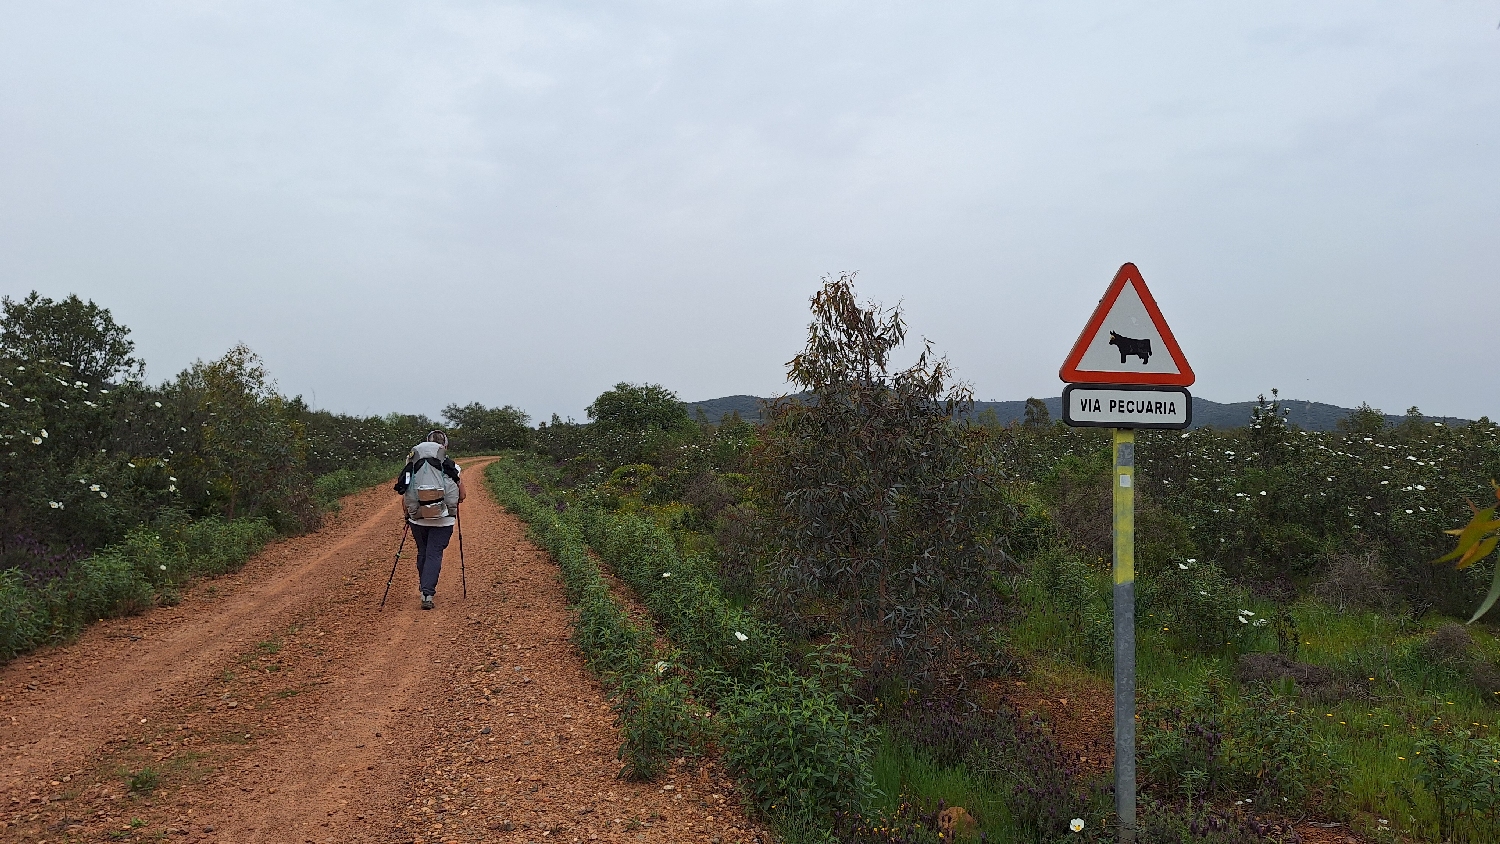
278	704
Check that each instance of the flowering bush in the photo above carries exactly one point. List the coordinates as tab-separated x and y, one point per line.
1275	505
1199	607
103	475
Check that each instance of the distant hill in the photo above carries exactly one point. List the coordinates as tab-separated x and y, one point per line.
1308	415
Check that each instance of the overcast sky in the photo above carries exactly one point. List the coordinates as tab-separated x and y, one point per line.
405	205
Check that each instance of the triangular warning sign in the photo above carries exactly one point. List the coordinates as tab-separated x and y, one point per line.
1126	341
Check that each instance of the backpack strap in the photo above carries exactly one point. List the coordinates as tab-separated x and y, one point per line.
446	466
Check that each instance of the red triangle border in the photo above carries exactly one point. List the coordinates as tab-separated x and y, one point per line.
1070	372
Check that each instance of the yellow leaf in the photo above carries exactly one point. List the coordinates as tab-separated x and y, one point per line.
1475	529
1478	552
1482	526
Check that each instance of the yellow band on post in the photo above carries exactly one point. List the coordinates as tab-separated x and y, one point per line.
1124	500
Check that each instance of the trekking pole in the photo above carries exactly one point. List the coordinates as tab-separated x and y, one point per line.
462	577
404	530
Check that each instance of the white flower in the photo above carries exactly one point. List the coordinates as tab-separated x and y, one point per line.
131	465
1076	824
172	479
163	567
666	574
93	487
1262	492
103	494
741	636
36	440
1204	594
1243	620
172	488
158	404
1182	566
4	405
1419	486
661	665
1247	612
1191	560
56	505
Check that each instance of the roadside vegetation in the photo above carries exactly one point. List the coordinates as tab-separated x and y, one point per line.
115	493
889	617
1301	656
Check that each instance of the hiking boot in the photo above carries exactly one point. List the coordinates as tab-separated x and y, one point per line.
426	602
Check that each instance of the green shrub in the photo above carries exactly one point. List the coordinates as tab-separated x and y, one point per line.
477	429
651	703
682	593
802	752
1462	773
1079	592
22	619
1200	742
1202	609
128	577
799	753
657	721
330	487
216	546
109	585
144	781
1187	822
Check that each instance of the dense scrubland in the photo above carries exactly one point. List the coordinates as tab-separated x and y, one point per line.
857	603
853	591
114	492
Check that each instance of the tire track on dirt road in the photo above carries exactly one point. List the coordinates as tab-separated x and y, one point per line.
279	704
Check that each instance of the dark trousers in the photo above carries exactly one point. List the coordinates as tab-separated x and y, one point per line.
430	544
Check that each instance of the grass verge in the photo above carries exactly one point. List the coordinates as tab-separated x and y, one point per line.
149	566
787	727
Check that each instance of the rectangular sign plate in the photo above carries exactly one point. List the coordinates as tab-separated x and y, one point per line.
1114	406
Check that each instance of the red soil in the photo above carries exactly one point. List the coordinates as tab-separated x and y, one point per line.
279	704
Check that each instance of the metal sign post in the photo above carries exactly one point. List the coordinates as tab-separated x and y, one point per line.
1124	522
1113	383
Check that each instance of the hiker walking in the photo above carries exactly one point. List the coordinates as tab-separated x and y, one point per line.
431	489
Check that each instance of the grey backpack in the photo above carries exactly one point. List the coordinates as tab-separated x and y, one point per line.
430	493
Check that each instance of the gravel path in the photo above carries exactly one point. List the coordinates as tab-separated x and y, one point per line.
278	704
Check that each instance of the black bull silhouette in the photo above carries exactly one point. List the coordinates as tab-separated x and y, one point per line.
1131	346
